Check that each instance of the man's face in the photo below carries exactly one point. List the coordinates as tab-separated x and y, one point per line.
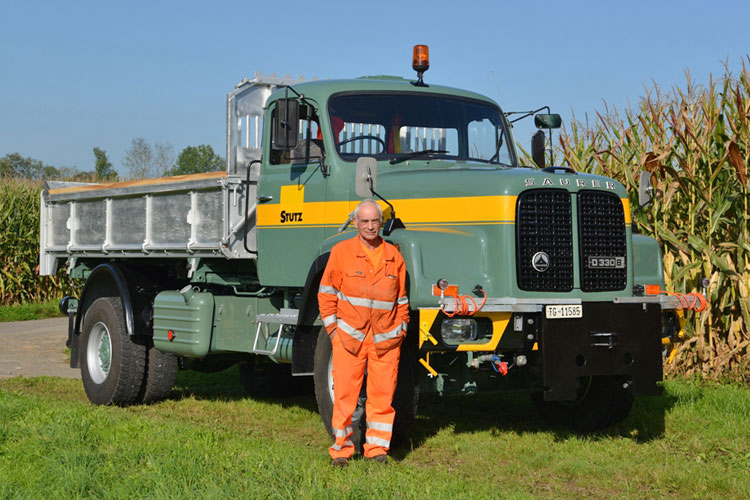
368	222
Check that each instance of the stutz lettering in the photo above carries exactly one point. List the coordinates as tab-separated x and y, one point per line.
290	216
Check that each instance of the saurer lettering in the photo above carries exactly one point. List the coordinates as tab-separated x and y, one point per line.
290	216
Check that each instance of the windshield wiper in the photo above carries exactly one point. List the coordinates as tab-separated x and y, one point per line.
417	154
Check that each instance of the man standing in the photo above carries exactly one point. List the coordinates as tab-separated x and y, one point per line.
365	310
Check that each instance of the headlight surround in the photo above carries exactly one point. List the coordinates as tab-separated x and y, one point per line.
455	331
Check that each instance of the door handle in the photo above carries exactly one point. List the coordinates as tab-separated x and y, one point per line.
264	199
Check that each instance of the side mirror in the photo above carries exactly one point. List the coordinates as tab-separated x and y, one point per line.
537	148
287	124
365	176
645	189
547	120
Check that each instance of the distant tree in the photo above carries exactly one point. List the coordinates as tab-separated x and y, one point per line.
143	160
15	165
50	172
104	169
138	159
197	159
163	158
71	173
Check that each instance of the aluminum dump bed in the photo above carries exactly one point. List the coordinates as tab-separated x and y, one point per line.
183	216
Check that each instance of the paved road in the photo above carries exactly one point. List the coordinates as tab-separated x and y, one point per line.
35	348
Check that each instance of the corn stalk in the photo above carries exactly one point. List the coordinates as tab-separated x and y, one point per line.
695	141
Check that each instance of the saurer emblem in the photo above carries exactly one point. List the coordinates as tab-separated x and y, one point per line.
540	262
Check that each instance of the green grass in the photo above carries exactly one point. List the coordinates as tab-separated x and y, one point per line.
209	441
24	312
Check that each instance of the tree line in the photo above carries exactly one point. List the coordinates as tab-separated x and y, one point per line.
141	161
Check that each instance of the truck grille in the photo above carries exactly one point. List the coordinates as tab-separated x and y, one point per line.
601	232
543	224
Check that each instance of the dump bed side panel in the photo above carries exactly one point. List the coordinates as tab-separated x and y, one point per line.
191	216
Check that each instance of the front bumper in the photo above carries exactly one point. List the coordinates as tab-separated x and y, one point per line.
622	337
610	339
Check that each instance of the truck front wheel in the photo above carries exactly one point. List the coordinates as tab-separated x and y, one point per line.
404	400
112	365
601	401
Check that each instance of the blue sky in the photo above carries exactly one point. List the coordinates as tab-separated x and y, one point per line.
75	75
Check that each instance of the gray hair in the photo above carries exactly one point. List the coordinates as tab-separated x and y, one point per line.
367	200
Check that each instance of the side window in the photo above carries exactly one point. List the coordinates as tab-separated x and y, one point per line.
486	142
309	147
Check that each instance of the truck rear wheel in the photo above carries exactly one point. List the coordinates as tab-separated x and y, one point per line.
161	372
601	401
404	399
112	365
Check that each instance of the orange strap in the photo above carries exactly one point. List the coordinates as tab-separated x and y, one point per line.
690	301
461	305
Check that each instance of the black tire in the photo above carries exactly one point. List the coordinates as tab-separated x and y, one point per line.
602	401
262	378
112	364
161	373
404	399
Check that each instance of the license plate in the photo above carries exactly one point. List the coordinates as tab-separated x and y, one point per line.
564	311
606	262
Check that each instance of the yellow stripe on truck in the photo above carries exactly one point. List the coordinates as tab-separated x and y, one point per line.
293	211
626	208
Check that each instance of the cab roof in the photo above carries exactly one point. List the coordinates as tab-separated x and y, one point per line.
321	90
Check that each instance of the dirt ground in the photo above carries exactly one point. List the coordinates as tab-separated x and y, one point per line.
35	348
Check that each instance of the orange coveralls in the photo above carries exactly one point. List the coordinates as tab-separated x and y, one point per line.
368	309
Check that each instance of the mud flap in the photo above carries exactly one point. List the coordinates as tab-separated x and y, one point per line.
610	339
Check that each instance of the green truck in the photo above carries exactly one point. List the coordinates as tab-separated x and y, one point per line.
519	278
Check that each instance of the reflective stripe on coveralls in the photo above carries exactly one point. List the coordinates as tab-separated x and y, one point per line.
363	302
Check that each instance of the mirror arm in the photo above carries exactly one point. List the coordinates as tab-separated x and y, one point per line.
526	113
372	190
393	222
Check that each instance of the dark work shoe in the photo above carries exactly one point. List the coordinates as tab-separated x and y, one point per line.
381	459
340	462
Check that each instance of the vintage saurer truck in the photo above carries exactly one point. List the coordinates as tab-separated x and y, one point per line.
519	278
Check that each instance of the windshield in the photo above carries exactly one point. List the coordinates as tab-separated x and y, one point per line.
399	126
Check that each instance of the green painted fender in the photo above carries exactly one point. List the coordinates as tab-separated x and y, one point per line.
647	261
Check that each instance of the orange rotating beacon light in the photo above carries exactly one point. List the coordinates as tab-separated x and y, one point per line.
420	62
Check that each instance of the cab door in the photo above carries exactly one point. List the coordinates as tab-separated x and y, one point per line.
291	203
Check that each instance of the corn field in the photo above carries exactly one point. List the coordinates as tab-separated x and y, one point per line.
695	141
19	247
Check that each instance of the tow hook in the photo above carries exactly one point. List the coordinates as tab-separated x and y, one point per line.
607	340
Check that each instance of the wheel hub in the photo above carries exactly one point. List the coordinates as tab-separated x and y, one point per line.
99	353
